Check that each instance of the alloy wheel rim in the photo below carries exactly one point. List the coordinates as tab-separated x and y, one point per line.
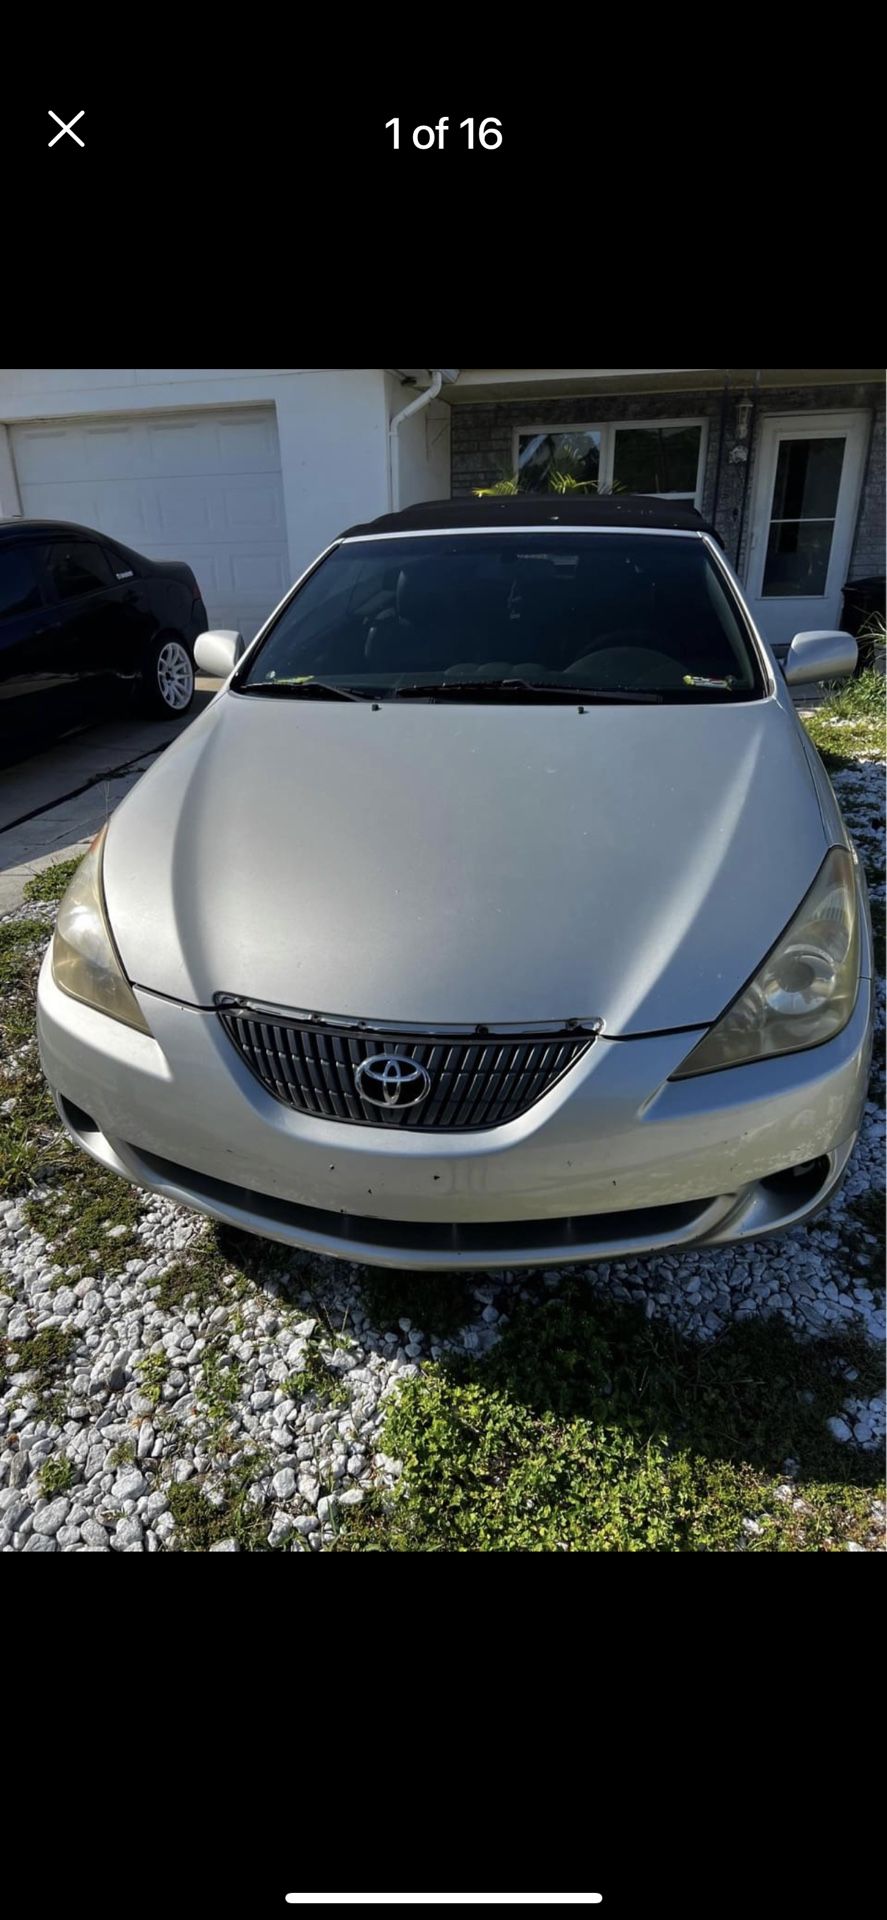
174	675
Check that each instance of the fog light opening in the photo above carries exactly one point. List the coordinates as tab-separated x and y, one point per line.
77	1118
801	1182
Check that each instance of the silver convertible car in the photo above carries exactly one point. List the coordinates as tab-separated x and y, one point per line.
497	911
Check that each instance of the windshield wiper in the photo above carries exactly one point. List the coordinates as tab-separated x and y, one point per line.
573	696
302	690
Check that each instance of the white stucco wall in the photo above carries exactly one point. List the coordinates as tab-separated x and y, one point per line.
332	426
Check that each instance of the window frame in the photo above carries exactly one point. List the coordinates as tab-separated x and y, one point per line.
608	430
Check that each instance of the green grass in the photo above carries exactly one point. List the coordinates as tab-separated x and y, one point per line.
19	940
55	1476
152	1372
200	1525
195	1281
850	724
52	881
89	1216
45	1355
220	1384
317	1378
589	1428
31	1129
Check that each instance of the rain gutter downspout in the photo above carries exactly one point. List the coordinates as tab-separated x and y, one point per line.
422	400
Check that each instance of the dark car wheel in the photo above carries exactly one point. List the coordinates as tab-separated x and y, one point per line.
168	678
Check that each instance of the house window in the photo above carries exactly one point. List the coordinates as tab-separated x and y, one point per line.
664	457
546	457
664	460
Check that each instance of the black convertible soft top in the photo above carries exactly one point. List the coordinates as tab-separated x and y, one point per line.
541	510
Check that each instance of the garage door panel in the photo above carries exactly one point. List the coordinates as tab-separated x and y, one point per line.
253	506
258	576
215	443
249	442
201	487
186	449
184	510
118	508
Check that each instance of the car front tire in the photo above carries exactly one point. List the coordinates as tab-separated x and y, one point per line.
168	678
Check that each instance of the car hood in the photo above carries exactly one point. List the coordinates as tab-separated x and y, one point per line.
460	864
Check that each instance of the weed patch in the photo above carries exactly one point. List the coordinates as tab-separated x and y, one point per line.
152	1372
53	881
30	1130
588	1428
90	1218
851	724
200	1523
195	1281
220	1385
45	1355
55	1476
316	1377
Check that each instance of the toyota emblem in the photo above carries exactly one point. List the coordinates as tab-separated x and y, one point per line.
392	1080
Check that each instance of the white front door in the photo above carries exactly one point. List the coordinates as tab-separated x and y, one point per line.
806	495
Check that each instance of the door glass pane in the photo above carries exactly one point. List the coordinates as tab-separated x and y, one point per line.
797	557
802	519
657	459
546	460
808	475
77	567
19	588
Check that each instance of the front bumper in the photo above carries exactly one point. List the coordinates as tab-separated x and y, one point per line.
614	1160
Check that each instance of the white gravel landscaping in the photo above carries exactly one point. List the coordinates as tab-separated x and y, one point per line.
144	1393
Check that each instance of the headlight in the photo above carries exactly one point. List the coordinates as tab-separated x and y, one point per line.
85	961
806	989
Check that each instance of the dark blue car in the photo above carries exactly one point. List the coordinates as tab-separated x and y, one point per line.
85	625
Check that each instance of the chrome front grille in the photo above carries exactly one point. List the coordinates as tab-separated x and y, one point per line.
476	1079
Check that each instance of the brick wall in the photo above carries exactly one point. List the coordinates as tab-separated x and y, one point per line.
868	547
483	436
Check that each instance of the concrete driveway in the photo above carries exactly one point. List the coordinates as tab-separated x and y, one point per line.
52	805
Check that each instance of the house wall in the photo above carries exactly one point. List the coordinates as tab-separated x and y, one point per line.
482	441
332	427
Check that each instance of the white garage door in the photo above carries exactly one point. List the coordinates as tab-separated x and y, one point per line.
203	487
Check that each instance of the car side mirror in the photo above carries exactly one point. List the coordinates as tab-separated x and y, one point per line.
217	653
819	656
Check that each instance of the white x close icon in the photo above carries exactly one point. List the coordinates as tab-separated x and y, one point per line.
66	128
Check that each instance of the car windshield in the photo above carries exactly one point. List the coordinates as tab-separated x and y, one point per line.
511	615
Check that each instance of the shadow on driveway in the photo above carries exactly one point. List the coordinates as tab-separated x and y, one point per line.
53	804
